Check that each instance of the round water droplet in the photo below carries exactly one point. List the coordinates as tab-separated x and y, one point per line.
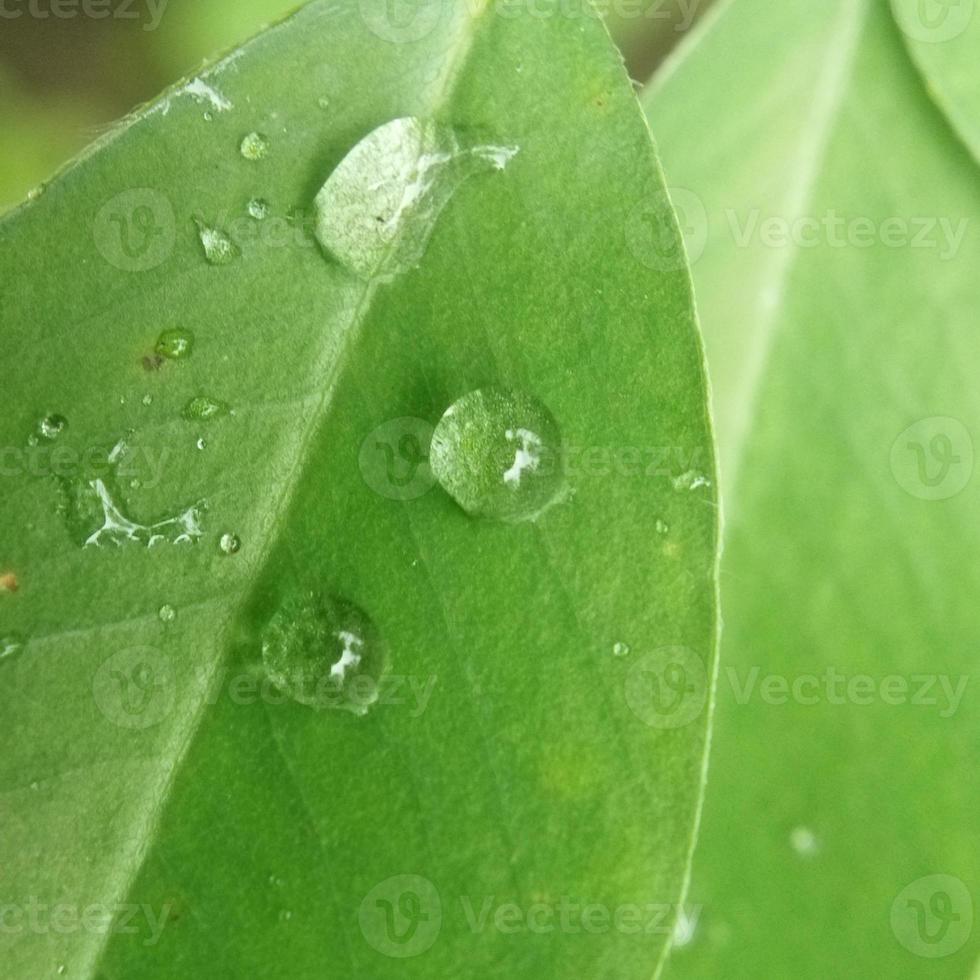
255	146
203	409
201	444
219	249
259	208
663	527
230	544
167	614
496	453
323	102
10	645
621	650
51	426
324	652
175	344
804	841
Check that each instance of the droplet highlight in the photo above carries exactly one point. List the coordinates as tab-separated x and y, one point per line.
377	211
230	544
324	652
51	426
203	409
254	147
497	454
219	249
167	614
259	209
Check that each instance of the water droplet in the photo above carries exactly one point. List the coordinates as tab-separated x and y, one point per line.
496	454
167	614
663	527
804	842
219	249
285	915
259	208
97	516
175	344
276	881
230	544
208	116
255	146
10	645
51	426
691	480
378	209
62	970
147	400
324	652
201	444
203	409
323	102
621	650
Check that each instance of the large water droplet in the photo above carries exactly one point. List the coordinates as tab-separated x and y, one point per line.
175	344
219	249
204	408
255	146
10	645
324	652
51	426
97	516
378	209
497	454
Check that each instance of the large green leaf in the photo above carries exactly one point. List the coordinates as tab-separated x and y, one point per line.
843	371
519	761
944	39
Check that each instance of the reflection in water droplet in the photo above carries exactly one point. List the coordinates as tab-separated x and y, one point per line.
51	426
254	146
259	208
804	842
691	480
230	544
621	650
167	614
378	209
10	645
96	517
324	652
496	453
203	409
219	249
175	344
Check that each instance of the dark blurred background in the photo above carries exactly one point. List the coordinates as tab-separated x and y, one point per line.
65	79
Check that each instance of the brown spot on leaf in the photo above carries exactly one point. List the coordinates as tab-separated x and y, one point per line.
8	582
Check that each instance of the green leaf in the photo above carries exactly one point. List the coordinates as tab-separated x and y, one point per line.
230	426
944	38
840	324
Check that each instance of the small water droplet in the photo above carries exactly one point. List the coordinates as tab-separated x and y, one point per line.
201	444
663	527
167	614
175	344
203	409
276	881
324	652
496	453
621	649
691	480
323	102
147	399
804	842
378	209
208	116
285	915
259	208
255	146
51	426
230	544
10	645
35	786
219	249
